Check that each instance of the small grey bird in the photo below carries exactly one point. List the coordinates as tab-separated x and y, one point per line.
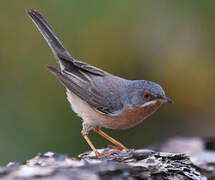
98	97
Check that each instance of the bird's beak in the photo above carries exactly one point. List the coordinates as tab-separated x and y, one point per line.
167	99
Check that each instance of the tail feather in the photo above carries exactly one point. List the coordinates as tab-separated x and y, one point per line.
53	70
66	61
54	43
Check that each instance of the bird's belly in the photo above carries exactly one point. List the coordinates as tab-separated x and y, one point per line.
129	118
132	116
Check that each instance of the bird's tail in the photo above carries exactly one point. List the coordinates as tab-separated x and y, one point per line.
54	43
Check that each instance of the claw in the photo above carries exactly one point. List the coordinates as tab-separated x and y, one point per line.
101	156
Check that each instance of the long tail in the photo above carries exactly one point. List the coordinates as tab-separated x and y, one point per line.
54	43
63	57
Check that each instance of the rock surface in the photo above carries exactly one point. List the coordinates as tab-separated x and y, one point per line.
137	164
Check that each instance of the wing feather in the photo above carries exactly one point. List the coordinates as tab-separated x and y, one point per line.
87	92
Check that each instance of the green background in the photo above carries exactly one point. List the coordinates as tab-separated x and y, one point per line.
169	42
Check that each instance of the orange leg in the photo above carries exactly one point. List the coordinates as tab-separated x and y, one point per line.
98	155
118	144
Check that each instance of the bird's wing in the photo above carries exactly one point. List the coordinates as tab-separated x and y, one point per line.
88	92
62	55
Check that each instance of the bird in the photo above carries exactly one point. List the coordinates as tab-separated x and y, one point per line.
101	99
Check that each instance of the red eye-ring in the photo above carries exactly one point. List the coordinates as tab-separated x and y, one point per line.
146	95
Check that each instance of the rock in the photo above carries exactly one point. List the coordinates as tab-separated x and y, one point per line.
137	164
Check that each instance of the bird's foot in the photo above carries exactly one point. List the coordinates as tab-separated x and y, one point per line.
101	156
118	148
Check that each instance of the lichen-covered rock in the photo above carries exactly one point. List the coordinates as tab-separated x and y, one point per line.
137	164
167	161
201	152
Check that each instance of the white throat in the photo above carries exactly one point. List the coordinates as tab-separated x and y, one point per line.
149	103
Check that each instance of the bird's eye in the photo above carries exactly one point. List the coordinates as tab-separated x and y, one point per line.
146	95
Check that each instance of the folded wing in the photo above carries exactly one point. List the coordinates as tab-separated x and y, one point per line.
88	92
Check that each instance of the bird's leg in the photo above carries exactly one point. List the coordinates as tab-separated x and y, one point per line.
98	155
116	143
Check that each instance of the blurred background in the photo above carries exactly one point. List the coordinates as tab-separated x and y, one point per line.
169	42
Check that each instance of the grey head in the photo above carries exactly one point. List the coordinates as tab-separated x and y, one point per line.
142	92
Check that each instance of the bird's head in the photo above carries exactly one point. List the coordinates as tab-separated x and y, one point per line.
142	93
